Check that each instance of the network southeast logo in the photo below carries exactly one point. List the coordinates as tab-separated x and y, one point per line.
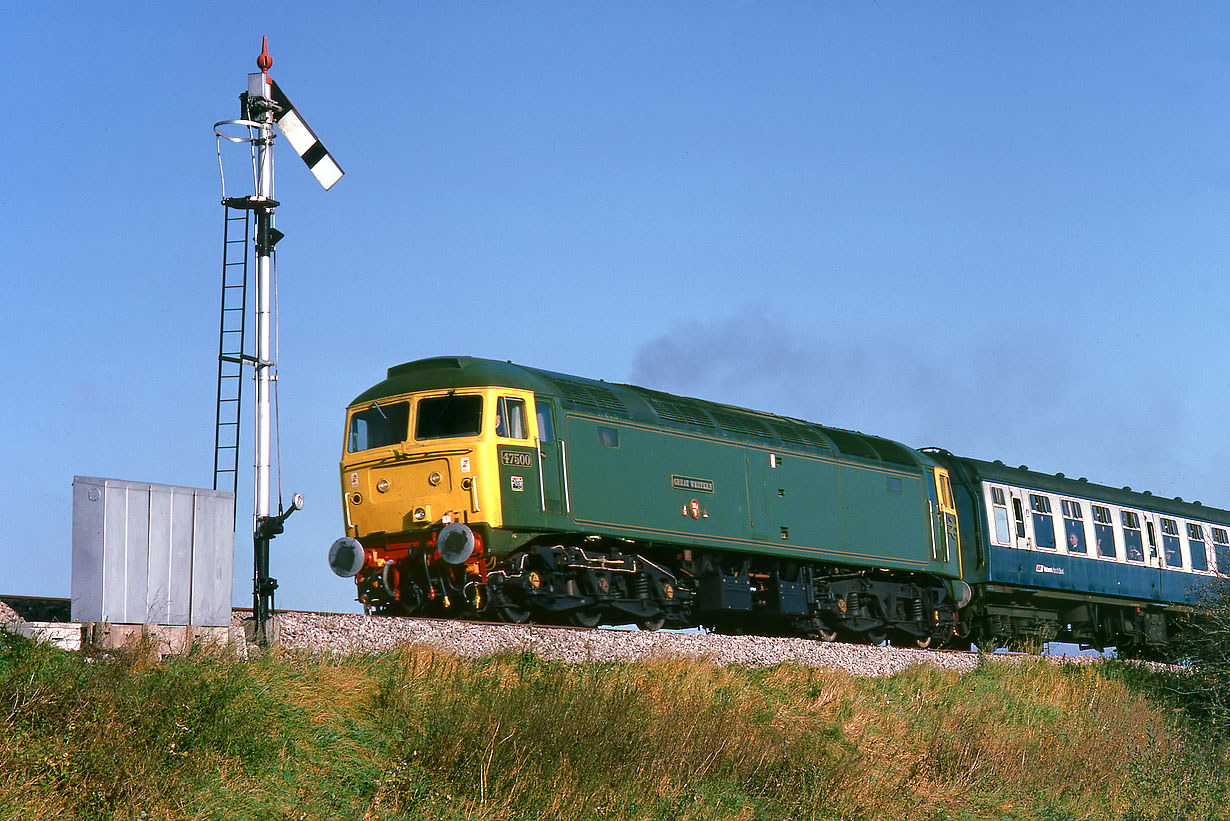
1042	568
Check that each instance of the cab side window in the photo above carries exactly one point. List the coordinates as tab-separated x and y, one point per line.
546	426
510	418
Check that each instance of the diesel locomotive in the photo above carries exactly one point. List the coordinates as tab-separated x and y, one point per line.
481	489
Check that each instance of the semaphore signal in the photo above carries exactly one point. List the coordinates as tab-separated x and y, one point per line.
263	105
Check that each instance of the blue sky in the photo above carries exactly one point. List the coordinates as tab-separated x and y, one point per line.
998	229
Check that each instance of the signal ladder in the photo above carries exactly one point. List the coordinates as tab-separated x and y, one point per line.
236	234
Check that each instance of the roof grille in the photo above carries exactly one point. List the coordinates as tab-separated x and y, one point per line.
799	433
594	396
890	451
735	422
672	409
851	443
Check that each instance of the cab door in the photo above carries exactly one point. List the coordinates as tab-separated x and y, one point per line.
949	537
552	459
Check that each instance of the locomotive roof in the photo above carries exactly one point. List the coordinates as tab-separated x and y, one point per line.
643	405
1082	488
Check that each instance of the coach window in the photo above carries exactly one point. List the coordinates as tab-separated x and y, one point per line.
1221	550
1073	526
1020	518
510	418
1044	522
1000	510
1195	542
1104	532
1132	538
1171	551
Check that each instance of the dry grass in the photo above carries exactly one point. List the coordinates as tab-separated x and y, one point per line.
417	734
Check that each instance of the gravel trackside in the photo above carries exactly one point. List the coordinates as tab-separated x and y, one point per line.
342	633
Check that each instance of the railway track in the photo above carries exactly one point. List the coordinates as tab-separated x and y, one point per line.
332	632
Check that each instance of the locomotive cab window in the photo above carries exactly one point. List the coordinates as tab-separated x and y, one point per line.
378	426
510	418
546	426
1044	523
443	417
1073	527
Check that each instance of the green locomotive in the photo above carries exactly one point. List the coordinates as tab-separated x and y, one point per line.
483	489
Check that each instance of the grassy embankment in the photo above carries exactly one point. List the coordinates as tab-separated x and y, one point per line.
419	735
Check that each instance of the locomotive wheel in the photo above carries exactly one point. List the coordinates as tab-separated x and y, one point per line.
907	640
652	624
585	617
512	613
826	633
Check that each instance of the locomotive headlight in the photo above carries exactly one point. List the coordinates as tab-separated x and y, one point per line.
383	486
434	479
419	514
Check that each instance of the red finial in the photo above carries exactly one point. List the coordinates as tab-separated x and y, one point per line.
264	62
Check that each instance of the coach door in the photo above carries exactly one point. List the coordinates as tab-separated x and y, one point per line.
1020	540
1153	549
552	459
